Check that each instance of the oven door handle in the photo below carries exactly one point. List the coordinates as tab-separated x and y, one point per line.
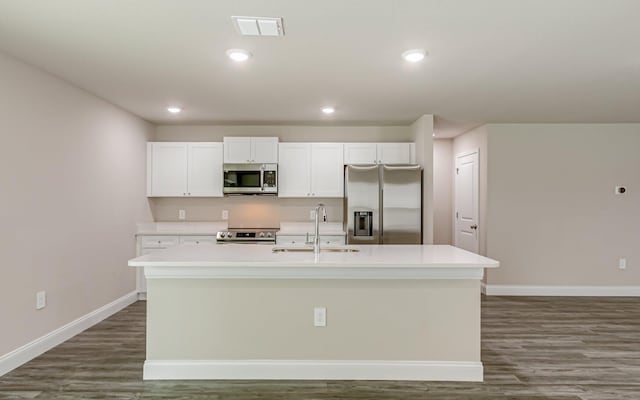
261	179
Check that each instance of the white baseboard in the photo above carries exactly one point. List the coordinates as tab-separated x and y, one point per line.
29	351
483	288
314	370
525	290
142	295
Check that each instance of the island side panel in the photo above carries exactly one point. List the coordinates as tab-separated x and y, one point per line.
272	319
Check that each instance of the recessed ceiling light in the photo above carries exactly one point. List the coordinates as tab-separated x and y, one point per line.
414	55
328	110
238	55
174	110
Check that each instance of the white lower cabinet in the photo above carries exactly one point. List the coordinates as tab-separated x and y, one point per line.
331	240
147	244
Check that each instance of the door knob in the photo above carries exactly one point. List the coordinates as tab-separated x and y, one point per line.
474	226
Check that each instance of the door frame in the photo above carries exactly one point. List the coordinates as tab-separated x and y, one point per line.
455	195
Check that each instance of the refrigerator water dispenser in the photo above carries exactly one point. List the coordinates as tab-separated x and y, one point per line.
363	221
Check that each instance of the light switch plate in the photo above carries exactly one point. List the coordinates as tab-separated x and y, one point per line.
320	316
41	300
182	215
225	215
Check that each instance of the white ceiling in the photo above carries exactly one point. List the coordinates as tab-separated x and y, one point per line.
490	60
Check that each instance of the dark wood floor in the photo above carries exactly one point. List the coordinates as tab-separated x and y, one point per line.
533	348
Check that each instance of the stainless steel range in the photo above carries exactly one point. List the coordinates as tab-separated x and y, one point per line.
247	236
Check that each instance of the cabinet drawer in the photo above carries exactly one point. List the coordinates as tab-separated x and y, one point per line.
159	241
333	240
292	239
195	240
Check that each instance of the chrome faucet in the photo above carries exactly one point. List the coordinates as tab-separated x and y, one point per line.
316	239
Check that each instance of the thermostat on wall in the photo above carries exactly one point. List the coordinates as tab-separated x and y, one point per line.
621	189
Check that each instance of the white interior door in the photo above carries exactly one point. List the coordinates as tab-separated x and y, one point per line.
467	202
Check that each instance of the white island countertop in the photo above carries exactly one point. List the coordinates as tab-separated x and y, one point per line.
243	261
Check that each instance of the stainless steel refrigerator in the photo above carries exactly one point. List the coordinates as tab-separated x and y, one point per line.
383	204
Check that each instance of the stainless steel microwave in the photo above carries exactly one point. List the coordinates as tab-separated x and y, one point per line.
250	179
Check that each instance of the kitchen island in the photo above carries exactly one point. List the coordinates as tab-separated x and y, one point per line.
398	312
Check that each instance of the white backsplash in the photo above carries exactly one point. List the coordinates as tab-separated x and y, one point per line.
244	211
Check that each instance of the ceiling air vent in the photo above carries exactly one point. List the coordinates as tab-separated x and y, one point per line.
259	26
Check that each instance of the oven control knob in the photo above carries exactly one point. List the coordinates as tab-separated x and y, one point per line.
229	234
261	234
269	234
222	234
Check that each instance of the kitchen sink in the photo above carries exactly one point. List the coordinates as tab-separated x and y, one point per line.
309	249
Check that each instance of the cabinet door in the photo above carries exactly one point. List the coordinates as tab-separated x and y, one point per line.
293	170
237	150
264	150
166	169
292	239
197	240
332	240
360	153
327	170
394	153
205	169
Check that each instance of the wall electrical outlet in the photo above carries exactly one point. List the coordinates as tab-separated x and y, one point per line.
320	316
225	215
182	215
622	263
312	215
41	300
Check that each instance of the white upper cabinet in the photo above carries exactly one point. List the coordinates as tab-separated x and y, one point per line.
177	169
360	153
327	170
294	173
166	169
379	153
264	150
310	170
205	169
394	153
240	150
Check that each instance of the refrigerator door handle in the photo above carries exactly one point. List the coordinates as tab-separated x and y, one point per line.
363	167
402	167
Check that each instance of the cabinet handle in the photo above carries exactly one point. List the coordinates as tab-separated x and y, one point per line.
184	194
189	193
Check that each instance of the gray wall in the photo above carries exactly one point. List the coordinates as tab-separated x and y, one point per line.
72	173
553	217
442	191
422	135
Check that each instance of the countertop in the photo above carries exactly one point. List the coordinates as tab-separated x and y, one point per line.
241	261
